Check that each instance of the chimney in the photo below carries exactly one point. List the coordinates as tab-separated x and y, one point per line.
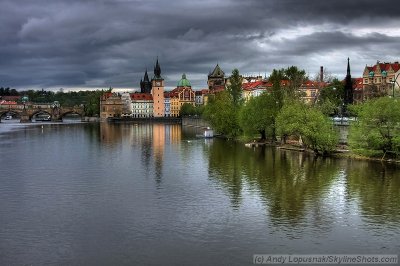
321	74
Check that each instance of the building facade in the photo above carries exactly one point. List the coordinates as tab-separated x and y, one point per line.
253	89
381	79
182	94
167	104
142	105
111	105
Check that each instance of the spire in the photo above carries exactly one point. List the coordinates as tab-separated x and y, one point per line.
145	84
146	76
348	66
348	88
157	70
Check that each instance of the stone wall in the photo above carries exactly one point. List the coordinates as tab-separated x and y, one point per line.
193	121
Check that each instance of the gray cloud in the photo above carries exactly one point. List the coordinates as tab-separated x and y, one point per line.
84	43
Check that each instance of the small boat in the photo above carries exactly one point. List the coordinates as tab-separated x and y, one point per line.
8	117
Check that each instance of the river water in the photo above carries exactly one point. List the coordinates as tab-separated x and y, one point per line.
154	194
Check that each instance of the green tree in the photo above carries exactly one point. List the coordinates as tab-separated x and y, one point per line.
276	78
296	77
92	103
235	88
187	109
258	116
330	98
377	131
221	113
308	123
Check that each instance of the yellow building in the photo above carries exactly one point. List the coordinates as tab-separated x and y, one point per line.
182	94
309	90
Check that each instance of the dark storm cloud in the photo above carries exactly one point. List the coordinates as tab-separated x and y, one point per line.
81	44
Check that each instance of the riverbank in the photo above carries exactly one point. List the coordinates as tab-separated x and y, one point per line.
342	151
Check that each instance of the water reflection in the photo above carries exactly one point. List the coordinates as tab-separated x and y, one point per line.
376	186
151	139
287	182
301	191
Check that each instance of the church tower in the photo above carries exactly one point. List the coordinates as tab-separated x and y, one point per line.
157	92
348	88
216	79
145	84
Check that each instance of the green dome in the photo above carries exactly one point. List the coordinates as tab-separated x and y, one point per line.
184	82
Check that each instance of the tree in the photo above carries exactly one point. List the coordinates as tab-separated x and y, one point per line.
308	123
330	98
276	78
377	131
221	113
235	88
296	77
92	103
373	91
187	109
258	115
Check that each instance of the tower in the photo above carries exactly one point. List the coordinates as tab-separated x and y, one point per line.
216	79
157	92
145	84
348	88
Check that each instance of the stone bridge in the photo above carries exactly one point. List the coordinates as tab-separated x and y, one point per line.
26	113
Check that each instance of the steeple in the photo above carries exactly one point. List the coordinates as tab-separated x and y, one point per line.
348	66
145	84
348	89
157	70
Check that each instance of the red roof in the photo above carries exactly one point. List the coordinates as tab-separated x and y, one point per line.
385	66
141	96
313	84
3	102
358	84
254	85
175	92
106	95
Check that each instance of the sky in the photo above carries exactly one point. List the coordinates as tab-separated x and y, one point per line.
91	44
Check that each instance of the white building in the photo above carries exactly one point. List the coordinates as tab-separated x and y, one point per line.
142	105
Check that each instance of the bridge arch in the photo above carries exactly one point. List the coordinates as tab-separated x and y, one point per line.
62	115
14	113
38	112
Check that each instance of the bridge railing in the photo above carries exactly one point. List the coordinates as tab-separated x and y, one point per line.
14	106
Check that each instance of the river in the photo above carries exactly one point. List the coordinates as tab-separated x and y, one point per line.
154	194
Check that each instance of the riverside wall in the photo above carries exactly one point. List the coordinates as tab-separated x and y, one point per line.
191	121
